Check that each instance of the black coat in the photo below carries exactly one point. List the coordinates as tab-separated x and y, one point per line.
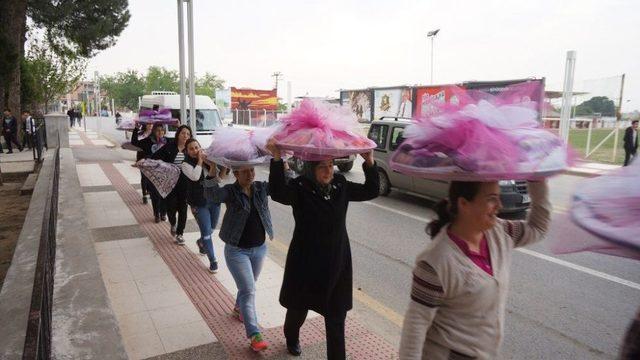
144	144
318	274
628	140
11	127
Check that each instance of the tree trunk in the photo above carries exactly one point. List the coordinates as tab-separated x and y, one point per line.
16	19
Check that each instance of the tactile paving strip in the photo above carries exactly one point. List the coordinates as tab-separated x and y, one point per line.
215	303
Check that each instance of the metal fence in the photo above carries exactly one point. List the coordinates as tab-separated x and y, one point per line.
257	118
38	338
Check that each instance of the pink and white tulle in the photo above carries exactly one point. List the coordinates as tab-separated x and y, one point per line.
162	116
126	125
607	206
237	148
317	130
493	138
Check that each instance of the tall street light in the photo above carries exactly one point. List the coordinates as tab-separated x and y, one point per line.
432	34
190	120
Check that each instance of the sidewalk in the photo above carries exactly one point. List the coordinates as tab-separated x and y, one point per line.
167	304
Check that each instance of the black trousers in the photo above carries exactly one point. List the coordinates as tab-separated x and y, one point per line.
334	328
144	184
176	203
628	154
157	202
12	138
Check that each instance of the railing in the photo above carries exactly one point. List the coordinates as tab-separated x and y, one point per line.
38	138
257	118
38	338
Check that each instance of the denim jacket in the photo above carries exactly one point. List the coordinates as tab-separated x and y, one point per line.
238	208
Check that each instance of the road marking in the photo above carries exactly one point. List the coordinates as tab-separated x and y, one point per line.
399	212
586	270
359	295
554	260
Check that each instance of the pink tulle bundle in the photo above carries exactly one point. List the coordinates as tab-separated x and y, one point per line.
483	138
609	207
129	146
235	148
126	125
318	130
163	175
162	116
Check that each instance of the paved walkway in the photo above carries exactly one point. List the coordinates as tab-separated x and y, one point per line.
166	302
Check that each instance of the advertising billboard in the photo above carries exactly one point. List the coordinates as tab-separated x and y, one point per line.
429	99
252	99
359	101
392	102
514	90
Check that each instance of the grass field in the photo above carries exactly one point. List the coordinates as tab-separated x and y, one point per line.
578	140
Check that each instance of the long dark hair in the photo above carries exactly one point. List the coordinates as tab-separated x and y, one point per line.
180	129
447	209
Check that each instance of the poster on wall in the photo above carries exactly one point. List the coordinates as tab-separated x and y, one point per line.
359	101
252	99
392	102
430	98
517	90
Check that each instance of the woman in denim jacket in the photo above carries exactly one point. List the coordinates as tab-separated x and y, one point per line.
243	229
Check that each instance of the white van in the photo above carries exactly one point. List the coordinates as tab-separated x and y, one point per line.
207	115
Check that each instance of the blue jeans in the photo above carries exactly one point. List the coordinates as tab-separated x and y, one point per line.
245	266
207	219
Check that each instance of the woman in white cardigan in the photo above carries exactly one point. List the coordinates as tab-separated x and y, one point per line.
460	281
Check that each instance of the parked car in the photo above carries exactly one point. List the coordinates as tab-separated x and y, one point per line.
344	164
387	134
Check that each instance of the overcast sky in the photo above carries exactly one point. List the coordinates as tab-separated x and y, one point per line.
323	46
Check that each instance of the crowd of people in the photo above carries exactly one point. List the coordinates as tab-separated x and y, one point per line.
75	117
17	133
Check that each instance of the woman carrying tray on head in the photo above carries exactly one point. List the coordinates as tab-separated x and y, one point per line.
196	169
318	274
135	141
149	146
176	201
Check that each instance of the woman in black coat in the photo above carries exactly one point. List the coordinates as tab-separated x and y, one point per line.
176	201
149	146
318	274
144	182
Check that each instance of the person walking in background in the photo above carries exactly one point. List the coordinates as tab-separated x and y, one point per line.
176	201
10	130
28	127
460	282
78	116
318	273
71	114
149	145
630	142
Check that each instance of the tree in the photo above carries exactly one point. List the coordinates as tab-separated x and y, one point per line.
53	75
124	87
161	79
72	28
208	84
597	104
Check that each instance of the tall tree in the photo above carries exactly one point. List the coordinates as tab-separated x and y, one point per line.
208	84
597	104
160	79
73	29
54	74
124	87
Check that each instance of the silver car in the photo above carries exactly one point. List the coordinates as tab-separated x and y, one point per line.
387	134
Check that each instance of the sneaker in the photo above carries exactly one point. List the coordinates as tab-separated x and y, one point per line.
144	200
258	343
179	240
173	230
201	249
237	314
213	268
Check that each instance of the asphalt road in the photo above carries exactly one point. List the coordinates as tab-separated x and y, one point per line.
575	306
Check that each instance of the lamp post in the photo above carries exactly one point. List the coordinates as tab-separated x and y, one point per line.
432	34
190	120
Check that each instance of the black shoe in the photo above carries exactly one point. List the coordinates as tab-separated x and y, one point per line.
157	219
294	349
10	152
163	217
201	247
144	200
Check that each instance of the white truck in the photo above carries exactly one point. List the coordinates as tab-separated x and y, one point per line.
207	115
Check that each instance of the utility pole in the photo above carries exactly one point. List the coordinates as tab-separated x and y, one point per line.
276	75
432	35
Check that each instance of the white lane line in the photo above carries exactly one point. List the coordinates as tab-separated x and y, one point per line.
586	270
557	261
399	212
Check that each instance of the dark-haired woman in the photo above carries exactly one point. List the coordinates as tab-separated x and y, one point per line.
149	146
318	274
176	201
144	182
460	281
206	212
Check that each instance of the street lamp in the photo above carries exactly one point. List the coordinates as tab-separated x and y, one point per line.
432	34
190	120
